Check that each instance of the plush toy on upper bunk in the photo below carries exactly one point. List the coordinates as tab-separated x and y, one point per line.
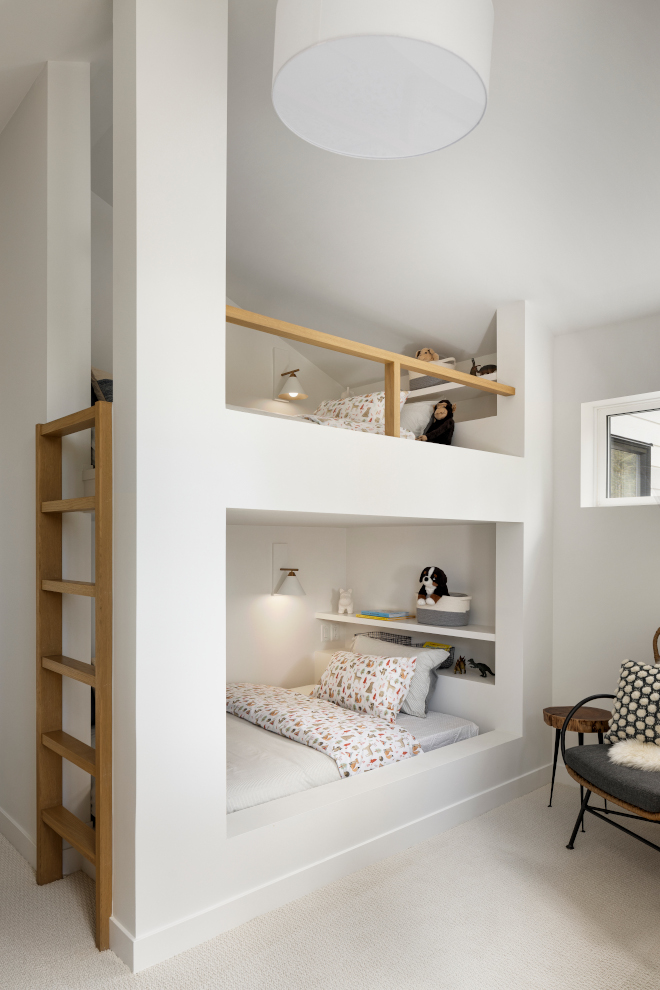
436	605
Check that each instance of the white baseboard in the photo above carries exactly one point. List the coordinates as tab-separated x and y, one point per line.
159	945
72	861
19	838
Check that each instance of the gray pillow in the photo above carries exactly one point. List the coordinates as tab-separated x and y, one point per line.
423	680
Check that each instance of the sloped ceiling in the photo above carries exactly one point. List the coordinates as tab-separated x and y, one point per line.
554	198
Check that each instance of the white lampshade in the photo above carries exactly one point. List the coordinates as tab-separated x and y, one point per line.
292	389
382	78
290	586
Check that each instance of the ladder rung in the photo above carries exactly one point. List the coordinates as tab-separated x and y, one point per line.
79	671
81	836
86	504
83	420
70	587
71	749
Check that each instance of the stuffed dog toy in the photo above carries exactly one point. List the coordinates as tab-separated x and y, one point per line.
441	425
434	586
427	354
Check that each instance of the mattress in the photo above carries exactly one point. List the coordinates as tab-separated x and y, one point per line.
263	766
437	730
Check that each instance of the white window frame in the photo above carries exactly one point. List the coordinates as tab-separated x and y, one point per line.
594	462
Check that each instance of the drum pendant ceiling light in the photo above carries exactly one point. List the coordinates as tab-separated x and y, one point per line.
382	78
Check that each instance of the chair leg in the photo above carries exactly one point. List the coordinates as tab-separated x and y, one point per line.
554	764
600	740
580	817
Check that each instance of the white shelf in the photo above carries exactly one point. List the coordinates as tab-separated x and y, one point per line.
453	390
470	675
412	625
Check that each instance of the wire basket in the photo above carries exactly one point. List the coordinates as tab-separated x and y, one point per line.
388	637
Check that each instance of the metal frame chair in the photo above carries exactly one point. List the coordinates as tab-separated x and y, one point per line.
602	813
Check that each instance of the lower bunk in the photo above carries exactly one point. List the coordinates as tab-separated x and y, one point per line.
263	766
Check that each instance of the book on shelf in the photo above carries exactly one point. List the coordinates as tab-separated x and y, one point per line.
385	613
382	618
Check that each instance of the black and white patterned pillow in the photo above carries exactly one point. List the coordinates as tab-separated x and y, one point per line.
636	713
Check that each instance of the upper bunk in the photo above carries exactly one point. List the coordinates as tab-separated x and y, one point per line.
479	476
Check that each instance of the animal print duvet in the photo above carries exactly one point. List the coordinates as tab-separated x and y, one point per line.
360	427
356	742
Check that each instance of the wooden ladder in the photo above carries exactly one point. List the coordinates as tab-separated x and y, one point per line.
54	822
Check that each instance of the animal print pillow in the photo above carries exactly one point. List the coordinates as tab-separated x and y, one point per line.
635	712
423	682
372	685
368	408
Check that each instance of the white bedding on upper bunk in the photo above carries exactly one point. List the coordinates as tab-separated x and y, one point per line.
337	424
263	766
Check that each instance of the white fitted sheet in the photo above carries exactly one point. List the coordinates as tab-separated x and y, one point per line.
263	766
437	730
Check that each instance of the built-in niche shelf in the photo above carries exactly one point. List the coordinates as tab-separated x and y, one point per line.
411	625
470	675
452	390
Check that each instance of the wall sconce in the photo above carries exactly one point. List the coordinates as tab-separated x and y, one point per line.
290	585
291	390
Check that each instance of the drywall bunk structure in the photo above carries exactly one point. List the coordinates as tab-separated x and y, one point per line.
54	822
394	363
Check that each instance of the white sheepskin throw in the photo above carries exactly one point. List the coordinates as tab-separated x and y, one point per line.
637	754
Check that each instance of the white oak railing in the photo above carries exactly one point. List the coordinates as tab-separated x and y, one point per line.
394	363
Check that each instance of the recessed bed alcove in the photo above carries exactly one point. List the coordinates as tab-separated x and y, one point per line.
263	353
280	640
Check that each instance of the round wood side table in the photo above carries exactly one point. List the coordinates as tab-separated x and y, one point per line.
585	720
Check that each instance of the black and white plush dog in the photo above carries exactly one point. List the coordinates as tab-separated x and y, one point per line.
434	586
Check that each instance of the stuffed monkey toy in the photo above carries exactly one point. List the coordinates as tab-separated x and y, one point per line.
441	425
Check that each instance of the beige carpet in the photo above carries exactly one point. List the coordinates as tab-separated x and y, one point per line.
495	904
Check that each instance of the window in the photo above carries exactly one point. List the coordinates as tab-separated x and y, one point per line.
621	451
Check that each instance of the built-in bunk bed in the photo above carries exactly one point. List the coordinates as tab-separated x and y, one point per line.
368	711
281	742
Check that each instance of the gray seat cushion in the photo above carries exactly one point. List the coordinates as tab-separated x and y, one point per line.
641	788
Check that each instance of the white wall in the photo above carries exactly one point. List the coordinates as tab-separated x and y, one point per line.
249	373
606	576
271	638
44	373
68	384
384	565
101	284
168	350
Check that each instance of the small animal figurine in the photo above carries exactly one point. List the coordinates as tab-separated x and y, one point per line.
427	354
482	369
459	667
434	586
483	668
345	602
441	425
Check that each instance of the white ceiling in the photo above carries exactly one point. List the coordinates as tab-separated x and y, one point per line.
554	198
